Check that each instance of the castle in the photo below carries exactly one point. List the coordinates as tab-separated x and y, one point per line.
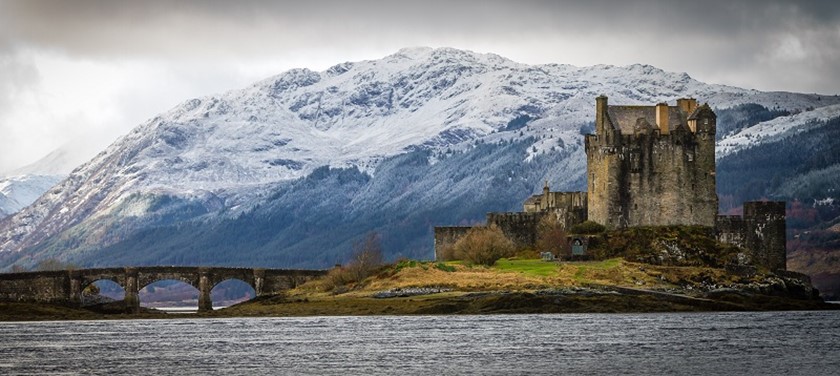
649	166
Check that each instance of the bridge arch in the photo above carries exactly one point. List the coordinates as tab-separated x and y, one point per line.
145	279
232	291
168	292
90	280
108	290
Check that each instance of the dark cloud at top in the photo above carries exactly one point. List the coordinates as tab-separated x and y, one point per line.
717	40
137	26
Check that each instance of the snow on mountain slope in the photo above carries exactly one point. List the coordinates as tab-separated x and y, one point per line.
781	127
17	192
227	150
356	113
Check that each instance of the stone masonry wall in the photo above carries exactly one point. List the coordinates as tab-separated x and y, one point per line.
521	228
761	232
765	233
43	287
446	237
730	230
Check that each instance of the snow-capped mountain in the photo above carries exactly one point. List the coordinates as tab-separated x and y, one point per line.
21	187
774	130
219	158
17	192
59	162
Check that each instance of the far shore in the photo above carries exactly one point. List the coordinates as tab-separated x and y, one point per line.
509	287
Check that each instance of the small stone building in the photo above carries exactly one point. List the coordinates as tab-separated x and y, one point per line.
569	208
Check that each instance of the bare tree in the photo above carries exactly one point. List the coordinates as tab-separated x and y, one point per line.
54	264
552	237
367	257
19	269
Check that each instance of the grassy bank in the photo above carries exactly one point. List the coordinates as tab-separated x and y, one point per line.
529	286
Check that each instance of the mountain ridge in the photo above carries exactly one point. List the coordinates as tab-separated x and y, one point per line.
224	155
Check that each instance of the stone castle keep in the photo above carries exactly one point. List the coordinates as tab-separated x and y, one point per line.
648	166
652	165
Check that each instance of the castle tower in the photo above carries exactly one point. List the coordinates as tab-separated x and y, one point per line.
652	165
703	124
764	233
602	167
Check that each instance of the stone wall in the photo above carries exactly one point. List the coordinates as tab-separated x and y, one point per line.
730	230
570	208
445	237
521	228
765	233
761	232
42	287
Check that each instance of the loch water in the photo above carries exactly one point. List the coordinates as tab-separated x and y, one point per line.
743	343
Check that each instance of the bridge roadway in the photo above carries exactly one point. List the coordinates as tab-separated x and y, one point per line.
66	286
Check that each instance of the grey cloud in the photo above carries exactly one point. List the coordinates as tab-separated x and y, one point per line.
705	38
137	27
80	23
16	75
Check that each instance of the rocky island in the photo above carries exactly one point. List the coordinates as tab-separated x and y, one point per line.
683	280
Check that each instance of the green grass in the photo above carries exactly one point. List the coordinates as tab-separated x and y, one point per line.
535	267
605	264
445	267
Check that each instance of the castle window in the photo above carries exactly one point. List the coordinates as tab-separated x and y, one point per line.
635	163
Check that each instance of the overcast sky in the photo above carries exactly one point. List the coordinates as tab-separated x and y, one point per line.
86	72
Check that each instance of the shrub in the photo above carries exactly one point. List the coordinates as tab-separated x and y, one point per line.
337	278
588	227
54	264
483	246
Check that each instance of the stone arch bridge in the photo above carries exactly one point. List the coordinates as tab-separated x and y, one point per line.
66	286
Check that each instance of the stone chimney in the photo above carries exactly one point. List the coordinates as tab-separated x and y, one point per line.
662	118
600	113
687	105
544	202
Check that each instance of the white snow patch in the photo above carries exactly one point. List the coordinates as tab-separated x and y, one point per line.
772	130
